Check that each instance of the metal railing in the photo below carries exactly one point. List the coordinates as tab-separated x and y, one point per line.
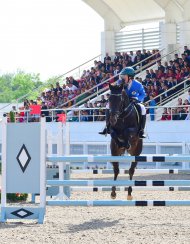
73	72
78	114
97	91
101	91
173	92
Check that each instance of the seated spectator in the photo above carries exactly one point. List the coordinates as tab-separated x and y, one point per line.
181	114
186	107
84	116
179	102
169	114
164	114
148	75
174	114
71	87
101	116
75	117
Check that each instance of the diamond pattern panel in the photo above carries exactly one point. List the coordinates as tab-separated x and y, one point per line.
23	158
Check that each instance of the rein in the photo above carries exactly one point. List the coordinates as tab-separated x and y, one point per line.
126	112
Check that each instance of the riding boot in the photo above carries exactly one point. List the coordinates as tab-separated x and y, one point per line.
143	122
106	130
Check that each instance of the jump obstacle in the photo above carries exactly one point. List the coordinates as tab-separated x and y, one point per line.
24	171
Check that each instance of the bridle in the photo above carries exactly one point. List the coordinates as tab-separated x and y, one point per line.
122	113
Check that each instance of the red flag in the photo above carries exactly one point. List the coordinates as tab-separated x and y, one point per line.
35	109
62	118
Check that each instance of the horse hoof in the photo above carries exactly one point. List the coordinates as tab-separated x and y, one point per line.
129	198
113	195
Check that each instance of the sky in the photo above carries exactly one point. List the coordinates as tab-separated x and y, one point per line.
48	37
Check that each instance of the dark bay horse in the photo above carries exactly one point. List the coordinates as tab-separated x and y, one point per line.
124	128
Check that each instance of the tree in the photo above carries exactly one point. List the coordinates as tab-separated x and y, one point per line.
14	86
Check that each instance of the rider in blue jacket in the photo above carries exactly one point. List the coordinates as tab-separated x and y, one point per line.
136	92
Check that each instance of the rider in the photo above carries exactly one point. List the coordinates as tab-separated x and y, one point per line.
136	93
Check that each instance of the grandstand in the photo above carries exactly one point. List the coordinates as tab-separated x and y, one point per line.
159	55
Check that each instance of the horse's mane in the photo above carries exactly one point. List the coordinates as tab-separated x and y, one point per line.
119	89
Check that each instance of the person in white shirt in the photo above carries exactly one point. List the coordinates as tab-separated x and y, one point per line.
71	87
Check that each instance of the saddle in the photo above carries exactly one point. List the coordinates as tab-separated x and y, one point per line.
138	111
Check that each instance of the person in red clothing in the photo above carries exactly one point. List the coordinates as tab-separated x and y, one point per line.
178	75
164	114
170	74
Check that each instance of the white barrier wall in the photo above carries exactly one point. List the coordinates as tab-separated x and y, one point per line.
160	131
163	137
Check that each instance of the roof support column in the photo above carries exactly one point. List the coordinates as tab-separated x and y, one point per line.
168	32
111	25
185	25
185	33
107	43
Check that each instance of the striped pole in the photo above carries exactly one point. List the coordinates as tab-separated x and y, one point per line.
118	183
101	203
124	159
136	188
126	171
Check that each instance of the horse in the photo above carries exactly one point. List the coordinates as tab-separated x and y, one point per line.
124	128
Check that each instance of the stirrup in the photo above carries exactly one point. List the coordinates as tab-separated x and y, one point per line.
142	135
104	132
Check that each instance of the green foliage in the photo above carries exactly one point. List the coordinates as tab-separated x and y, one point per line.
13	86
16	197
12	117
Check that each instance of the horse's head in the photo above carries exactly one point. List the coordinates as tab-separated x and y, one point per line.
117	101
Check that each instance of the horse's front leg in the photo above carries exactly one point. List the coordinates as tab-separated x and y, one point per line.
116	172
131	173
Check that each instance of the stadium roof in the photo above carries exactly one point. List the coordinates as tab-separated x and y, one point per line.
126	12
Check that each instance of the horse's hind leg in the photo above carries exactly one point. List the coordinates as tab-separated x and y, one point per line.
131	173
116	172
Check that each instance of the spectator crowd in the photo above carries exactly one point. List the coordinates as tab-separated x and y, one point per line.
162	80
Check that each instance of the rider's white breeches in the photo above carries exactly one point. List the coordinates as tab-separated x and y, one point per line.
143	109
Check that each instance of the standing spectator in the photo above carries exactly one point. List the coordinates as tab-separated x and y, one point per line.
161	67
74	82
186	51
58	88
132	55
46	112
152	103
107	57
188	98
